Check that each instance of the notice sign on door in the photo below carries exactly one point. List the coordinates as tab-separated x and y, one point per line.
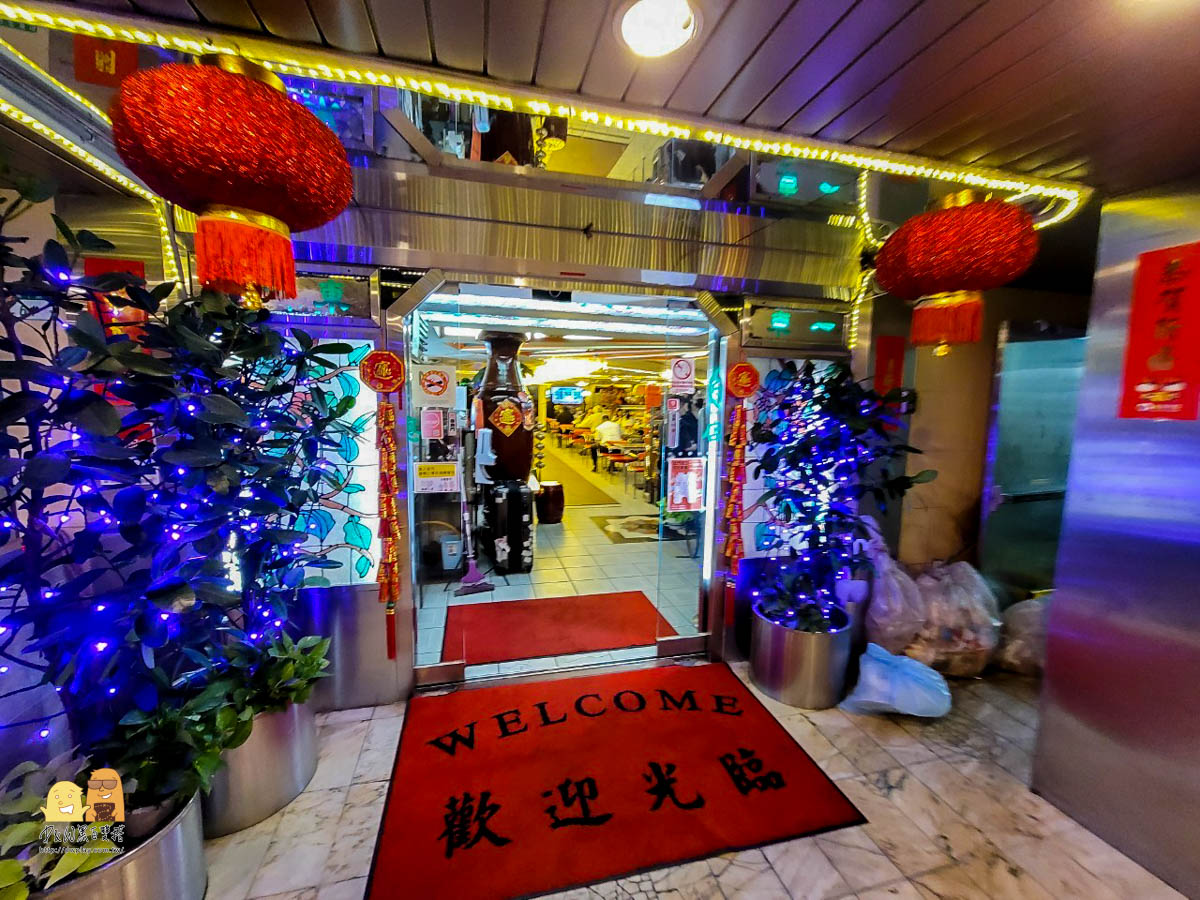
436	478
672	422
683	376
433	386
1162	367
431	424
685	484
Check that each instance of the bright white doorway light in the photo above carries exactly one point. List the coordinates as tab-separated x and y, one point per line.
655	28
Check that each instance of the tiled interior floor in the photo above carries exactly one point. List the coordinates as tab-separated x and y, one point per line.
949	814
577	557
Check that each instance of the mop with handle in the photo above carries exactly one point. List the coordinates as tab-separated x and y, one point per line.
473	581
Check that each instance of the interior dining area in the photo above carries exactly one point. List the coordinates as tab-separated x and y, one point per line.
571	531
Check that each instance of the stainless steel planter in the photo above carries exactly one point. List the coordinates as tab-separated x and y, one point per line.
360	673
170	864
265	774
799	668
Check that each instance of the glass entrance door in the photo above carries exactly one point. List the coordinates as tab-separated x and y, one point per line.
1034	421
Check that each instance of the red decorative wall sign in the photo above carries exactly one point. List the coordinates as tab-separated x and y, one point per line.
889	363
742	380
506	417
98	61
1162	367
382	370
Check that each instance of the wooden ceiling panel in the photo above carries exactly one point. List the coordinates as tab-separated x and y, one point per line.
402	29
730	43
170	9
915	32
992	108
567	42
656	79
958	44
793	38
458	34
1005	54
612	65
848	40
514	33
230	13
345	24
288	20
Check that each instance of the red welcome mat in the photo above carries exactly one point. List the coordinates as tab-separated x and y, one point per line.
516	790
551	626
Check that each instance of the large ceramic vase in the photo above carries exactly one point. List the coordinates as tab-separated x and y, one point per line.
169	864
264	774
508	410
800	668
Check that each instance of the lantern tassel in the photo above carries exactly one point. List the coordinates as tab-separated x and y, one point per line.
233	253
954	319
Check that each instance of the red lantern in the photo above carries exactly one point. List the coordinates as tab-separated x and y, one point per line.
948	256
226	142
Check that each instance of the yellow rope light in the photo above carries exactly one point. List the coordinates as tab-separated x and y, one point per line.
864	215
860	298
170	270
344	68
66	89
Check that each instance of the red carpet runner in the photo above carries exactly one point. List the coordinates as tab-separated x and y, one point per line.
508	791
551	626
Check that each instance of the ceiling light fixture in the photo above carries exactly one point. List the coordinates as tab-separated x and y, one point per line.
585	337
654	28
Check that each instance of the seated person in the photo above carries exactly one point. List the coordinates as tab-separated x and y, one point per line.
606	434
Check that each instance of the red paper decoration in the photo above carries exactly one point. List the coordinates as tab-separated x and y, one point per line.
976	247
382	371
233	148
742	380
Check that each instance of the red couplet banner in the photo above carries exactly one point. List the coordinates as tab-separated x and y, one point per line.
1162	367
889	362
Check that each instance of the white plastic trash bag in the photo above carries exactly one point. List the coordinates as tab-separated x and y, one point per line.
1023	643
897	684
895	613
961	622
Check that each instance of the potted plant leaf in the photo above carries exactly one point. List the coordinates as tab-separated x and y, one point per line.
272	681
821	441
154	461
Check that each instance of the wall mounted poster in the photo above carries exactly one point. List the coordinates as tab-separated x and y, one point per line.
685	484
1162	367
436	478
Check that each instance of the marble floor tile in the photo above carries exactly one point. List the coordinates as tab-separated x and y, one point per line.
938	820
354	844
909	848
898	890
858	858
853	743
338	747
747	874
378	754
299	850
353	889
806	873
1110	865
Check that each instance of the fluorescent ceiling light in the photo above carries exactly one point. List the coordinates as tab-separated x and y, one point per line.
585	337
598	328
564	369
673	201
655	28
453	303
458	331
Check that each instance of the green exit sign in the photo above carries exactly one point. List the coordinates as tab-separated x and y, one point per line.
781	320
822	326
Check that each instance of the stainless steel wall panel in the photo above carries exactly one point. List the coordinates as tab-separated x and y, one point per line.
1119	747
407	215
